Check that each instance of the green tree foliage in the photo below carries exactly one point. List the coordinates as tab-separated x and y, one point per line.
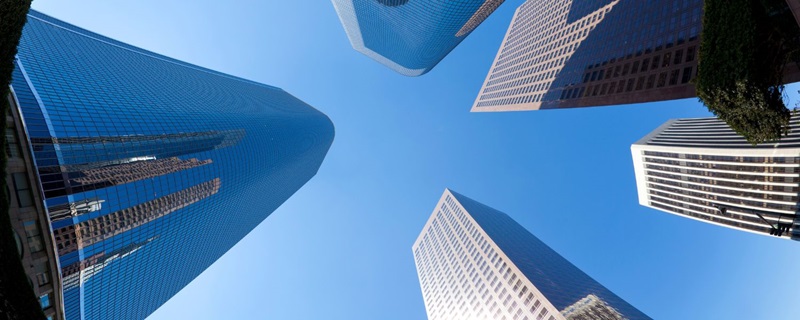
745	47
17	299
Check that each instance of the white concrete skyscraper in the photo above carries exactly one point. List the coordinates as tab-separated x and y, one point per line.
701	169
475	262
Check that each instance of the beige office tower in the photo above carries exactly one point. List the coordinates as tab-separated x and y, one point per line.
701	169
568	54
565	54
475	262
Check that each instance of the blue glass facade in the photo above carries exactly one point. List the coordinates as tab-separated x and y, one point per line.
410	36
151	168
561	282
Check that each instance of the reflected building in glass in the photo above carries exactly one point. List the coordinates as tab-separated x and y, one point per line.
410	36
144	169
703	170
475	262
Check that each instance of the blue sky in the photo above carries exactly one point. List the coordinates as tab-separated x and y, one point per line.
341	247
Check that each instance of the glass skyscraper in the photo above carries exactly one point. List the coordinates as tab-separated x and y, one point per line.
411	37
475	262
149	168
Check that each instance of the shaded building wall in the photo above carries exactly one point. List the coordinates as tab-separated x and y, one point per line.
29	219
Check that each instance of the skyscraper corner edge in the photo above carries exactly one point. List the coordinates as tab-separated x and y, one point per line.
700	169
346	12
466	240
430	219
637	149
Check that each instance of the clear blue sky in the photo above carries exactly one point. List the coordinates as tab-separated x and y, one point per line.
341	247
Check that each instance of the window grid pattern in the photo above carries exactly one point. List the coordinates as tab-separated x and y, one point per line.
410	37
690	167
463	274
559	54
469	269
151	168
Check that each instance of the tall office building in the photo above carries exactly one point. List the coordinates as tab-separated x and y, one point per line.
569	54
132	172
411	37
564	54
475	262
703	170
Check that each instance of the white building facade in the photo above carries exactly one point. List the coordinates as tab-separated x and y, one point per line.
701	169
465	274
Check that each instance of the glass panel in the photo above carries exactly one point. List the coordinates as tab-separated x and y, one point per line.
45	301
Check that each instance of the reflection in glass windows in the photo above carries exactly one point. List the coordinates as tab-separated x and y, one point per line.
151	168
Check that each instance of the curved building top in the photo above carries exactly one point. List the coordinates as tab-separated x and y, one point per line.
410	36
135	149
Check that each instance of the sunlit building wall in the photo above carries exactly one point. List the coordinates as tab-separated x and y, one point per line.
475	262
701	169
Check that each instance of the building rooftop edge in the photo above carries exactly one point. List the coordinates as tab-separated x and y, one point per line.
99	37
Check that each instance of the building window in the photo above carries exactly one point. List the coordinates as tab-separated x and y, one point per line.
667	57
690	54
629	87
640	83
687	75
635	67
542	314
678	57
44	300
12	147
42	274
24	197
33	235
673	78
651	80
656	60
662	79
42	278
